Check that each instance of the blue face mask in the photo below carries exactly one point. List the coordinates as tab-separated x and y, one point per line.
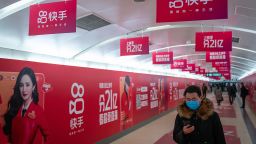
193	104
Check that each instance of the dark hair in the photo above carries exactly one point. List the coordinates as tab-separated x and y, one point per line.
192	89
16	100
128	82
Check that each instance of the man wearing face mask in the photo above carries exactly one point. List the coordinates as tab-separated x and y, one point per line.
196	121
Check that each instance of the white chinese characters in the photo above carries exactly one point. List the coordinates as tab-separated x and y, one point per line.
131	47
209	42
52	19
76	107
189	6
108	109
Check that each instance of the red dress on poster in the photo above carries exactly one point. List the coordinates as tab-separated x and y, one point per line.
24	129
3	137
126	102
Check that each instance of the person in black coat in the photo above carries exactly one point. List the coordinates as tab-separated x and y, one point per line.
196	121
204	90
243	94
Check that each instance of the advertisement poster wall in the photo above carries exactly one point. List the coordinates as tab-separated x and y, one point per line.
84	105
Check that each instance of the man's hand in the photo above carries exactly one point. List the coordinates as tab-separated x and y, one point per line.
188	129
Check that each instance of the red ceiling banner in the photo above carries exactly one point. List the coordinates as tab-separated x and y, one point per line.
217	56
134	46
190	10
214	41
197	70
179	64
162	57
221	64
226	75
52	18
190	68
202	71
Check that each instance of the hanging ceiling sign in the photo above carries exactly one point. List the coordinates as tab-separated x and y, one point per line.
190	68
52	18
197	70
179	64
214	41
134	46
202	71
221	64
217	56
162	57
226	75
190	10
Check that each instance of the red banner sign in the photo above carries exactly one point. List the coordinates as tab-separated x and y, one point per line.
197	70
191	10
221	64
226	75
162	57
214	41
179	64
217	56
190	68
202	71
52	18
134	46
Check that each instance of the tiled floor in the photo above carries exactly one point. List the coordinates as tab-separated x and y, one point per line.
160	131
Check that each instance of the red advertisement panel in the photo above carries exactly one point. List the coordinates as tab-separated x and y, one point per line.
217	56
179	64
214	41
81	105
190	10
52	18
162	57
134	46
202	71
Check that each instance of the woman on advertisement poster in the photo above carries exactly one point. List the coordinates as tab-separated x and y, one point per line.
126	104
161	95
24	116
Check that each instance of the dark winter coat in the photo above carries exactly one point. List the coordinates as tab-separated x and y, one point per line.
244	92
208	128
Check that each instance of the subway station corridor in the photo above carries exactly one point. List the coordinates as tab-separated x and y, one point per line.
114	71
239	125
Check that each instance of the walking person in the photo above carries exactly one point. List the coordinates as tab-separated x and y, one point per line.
218	95
244	92
196	121
204	90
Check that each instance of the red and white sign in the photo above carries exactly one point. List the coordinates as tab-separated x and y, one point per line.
134	46
202	71
191	10
179	64
190	68
52	18
214	41
217	56
162	57
197	70
226	75
93	104
223	69
221	64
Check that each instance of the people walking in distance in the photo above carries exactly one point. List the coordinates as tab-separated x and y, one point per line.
244	92
204	90
218	94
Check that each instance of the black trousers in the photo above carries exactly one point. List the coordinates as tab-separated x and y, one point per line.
243	99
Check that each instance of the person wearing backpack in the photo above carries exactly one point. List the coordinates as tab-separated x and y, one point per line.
243	94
